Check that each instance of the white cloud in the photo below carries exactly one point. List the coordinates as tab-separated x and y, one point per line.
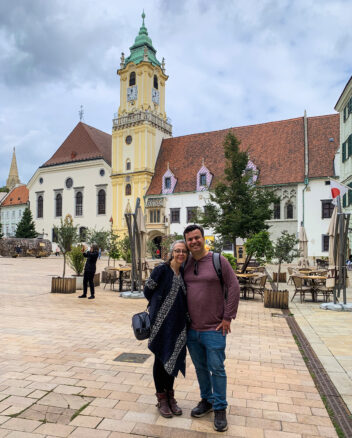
230	63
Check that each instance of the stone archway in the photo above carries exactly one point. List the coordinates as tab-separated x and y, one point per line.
156	238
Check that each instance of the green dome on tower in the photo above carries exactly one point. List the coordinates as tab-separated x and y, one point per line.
142	49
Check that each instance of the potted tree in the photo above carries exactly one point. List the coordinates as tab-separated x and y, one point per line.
77	261
67	235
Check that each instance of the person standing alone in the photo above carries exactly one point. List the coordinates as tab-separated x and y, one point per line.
211	312
89	271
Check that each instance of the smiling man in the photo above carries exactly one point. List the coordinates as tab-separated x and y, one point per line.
211	314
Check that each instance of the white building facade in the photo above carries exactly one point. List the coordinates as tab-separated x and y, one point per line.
79	185
11	209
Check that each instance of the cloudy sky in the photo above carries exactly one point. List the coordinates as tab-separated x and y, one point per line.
230	63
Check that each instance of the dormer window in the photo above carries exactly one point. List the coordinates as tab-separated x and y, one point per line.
202	179
132	79
167	182
156	85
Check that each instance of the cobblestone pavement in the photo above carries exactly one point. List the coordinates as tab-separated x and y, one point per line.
58	377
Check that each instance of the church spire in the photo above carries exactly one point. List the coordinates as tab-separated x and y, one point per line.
13	178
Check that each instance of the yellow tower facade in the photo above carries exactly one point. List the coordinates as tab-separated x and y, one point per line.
141	125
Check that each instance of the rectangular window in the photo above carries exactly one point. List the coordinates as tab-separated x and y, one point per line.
277	210
349	148
191	214
344	201
227	245
327	208
54	236
168	183
345	114
175	215
350	194
202	179
154	216
325	242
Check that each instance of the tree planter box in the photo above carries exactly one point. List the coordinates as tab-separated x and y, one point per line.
79	281
282	277
63	285
277	299
97	279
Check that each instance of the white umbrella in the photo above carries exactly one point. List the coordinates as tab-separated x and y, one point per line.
303	247
331	233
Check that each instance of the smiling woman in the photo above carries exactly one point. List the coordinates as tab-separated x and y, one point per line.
166	294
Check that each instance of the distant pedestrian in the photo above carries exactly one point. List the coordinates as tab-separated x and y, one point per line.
157	252
57	251
99	253
89	271
18	250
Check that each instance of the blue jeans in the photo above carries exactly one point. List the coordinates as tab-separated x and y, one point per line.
207	350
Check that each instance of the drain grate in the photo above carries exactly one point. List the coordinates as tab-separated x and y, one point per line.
279	315
132	357
338	411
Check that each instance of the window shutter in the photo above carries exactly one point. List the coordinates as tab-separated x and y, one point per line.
350	194
343	152
344	200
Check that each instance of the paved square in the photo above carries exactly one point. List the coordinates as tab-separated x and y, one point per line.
58	377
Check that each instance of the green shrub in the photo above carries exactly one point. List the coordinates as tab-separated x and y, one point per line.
76	259
231	259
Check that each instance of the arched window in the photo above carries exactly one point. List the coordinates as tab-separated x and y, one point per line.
101	201
289	211
132	79
40	206
128	190
128	165
277	210
82	234
58	205
156	85
79	204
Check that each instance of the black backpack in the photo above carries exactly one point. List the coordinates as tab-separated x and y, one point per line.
217	267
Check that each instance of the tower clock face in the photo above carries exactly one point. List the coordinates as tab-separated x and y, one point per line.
155	96
132	93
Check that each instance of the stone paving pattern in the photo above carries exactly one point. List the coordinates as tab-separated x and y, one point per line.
57	361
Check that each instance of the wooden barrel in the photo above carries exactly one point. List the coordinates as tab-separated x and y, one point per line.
277	299
96	279
63	285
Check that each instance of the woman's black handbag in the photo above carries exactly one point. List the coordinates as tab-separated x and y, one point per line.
141	325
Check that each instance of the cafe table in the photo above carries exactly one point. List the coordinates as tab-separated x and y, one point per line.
121	270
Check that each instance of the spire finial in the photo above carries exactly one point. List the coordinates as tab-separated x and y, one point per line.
143	16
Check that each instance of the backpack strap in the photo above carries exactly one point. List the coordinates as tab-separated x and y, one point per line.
218	270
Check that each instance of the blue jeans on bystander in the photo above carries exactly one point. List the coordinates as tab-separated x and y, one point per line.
207	350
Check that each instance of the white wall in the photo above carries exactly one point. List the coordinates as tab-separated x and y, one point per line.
314	224
10	216
86	178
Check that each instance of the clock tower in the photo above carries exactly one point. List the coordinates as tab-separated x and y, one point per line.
140	126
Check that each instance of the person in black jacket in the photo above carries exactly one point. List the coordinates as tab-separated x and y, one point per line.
89	271
166	294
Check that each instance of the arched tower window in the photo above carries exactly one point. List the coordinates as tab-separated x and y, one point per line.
289	211
101	201
40	206
132	79
58	205
128	190
156	85
128	164
79	204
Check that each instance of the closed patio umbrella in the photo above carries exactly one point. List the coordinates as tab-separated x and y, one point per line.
303	247
331	232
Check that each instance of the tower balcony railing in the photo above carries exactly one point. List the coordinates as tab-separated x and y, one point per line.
140	117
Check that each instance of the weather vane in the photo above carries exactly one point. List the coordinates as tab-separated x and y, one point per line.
81	113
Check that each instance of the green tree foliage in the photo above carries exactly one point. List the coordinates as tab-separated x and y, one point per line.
237	207
67	235
231	259
26	227
76	259
4	189
123	246
113	247
285	250
99	237
166	242
260	246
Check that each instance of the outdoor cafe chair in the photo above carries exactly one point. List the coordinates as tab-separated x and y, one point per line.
291	271
300	288
258	286
326	289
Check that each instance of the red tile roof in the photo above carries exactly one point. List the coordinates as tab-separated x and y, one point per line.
84	143
276	148
17	196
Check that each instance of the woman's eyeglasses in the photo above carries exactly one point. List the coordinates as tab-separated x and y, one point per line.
180	251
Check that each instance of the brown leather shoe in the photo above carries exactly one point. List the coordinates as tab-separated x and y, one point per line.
163	404
176	410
